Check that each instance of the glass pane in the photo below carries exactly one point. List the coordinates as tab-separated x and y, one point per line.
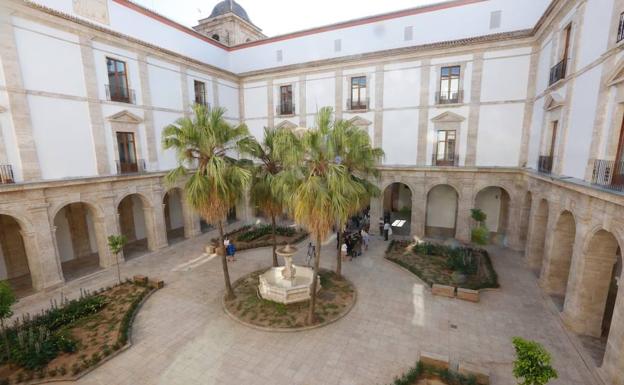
441	150
455	70
450	135
444	88
444	71
441	135
362	95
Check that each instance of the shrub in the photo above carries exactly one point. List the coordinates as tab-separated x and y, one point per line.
480	235
532	363
259	231
478	215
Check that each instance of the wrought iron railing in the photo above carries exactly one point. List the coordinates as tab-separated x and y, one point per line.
6	174
609	174
620	35
448	97
285	109
445	160
120	94
356	105
558	72
130	167
545	164
203	102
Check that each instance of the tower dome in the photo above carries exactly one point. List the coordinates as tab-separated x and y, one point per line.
227	6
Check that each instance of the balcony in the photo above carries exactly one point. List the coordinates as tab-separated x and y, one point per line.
608	174
445	160
285	109
204	103
120	94
620	35
558	72
449	97
6	174
357	105
545	164
130	168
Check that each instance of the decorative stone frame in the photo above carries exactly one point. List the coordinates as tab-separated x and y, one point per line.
462	81
348	78
111	55
447	121
277	86
125	121
553	104
287	124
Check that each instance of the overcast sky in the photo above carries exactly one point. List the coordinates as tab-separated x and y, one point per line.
277	17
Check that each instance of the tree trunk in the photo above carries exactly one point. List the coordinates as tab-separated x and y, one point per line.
273	229
118	271
317	262
339	251
229	293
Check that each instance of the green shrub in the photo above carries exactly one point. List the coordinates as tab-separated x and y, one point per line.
480	235
478	215
532	364
259	231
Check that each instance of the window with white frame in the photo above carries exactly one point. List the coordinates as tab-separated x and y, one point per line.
449	85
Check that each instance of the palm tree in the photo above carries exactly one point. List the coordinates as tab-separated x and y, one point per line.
205	146
271	163
319	188
361	159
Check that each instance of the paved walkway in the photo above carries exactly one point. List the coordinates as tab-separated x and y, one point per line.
182	336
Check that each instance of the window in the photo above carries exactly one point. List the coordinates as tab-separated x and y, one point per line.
279	55
620	35
337	45
216	37
567	33
286	106
200	93
449	85
127	152
558	72
359	99
117	89
408	33
495	19
445	149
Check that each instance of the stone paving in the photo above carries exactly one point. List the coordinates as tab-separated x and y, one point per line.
182	336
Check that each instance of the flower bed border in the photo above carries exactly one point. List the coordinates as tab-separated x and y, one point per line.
267	243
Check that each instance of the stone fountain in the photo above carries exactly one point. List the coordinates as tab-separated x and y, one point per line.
289	283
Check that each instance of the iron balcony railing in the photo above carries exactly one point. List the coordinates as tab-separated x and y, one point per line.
445	160
287	108
545	164
609	174
558	72
448	97
120	94
6	174
620	35
130	167
357	105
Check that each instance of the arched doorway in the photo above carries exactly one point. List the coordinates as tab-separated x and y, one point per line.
76	240
556	269
535	247
397	208
13	259
174	215
494	202
133	224
441	217
525	217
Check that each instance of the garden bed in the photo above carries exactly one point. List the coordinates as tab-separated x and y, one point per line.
254	236
424	374
336	297
463	267
73	337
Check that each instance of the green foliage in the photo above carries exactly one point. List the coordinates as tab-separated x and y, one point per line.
480	235
116	243
478	215
421	370
7	299
259	231
126	322
533	363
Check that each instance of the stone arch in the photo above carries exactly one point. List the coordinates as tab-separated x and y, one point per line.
80	238
495	202
556	269
397	207
15	260
139	229
175	218
537	236
441	211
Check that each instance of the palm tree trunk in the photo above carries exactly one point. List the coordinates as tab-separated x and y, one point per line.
273	230
317	262
339	251
226	273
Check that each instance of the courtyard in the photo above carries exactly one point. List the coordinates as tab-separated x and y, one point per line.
182	335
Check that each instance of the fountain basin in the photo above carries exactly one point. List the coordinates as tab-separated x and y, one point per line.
274	287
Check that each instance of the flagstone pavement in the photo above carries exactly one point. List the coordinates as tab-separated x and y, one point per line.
182	336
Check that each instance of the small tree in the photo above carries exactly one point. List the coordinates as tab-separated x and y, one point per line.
7	299
116	244
479	234
532	364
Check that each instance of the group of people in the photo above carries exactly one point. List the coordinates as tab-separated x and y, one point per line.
355	238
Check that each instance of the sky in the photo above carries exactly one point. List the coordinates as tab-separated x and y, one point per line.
275	17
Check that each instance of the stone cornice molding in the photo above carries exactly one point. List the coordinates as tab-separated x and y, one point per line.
287	124
553	101
448	117
125	117
617	76
359	121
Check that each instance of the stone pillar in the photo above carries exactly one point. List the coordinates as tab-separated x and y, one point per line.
376	212
423	114
155	227
270	104
536	235
148	113
463	221
186	100
18	102
241	103
191	219
105	225
338	94
473	115
514	223
559	246
76	214
215	91
419	208
98	132
613	364
303	107
41	250
528	107
379	91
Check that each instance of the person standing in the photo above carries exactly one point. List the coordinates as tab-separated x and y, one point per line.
365	239
311	252
231	252
381	226
386	231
